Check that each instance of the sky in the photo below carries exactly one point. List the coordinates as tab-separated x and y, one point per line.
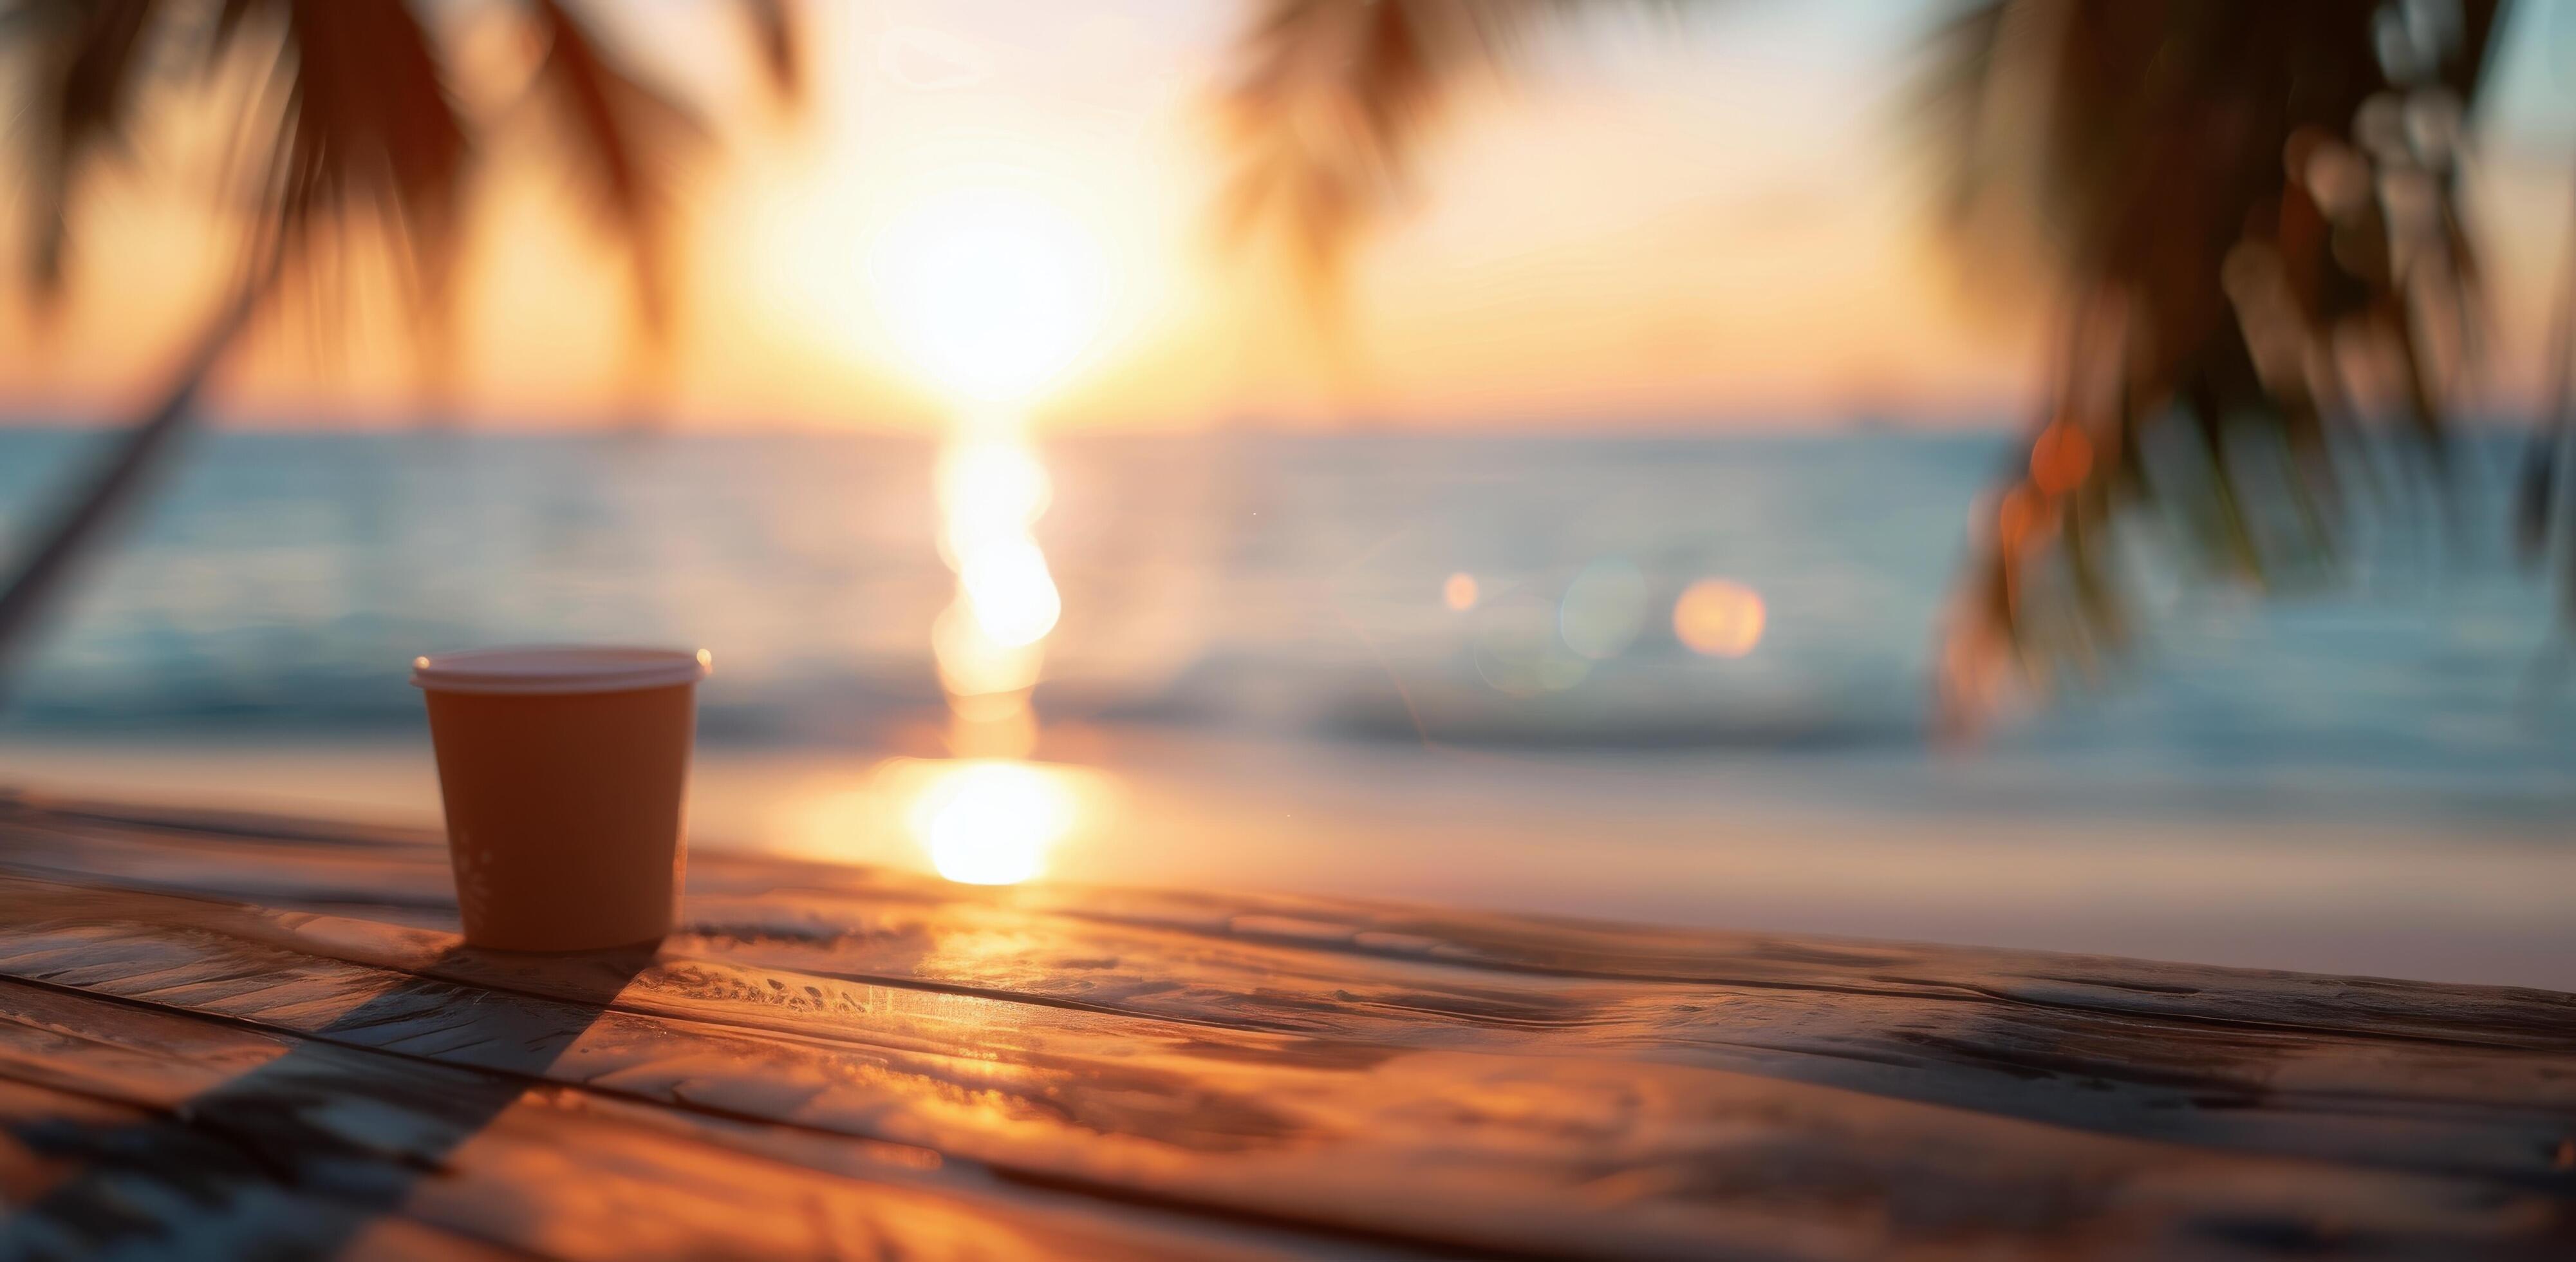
1712	221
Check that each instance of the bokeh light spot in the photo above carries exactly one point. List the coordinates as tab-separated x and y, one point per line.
1719	618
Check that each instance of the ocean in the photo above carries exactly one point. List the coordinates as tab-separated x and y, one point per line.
1269	669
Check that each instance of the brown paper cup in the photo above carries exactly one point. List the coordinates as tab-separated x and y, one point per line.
563	771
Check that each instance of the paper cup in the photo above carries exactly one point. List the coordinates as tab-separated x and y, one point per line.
563	771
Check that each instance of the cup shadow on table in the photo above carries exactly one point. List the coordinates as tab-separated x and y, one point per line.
299	1156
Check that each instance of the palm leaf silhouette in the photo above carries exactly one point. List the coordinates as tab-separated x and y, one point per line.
82	66
2227	194
2222	194
625	131
1331	100
357	125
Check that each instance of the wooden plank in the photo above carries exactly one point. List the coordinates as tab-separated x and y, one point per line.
2051	1038
1394	1074
398	874
241	1141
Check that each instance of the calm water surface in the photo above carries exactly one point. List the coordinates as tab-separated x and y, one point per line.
1416	666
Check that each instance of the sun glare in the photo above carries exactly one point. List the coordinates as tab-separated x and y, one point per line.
981	821
993	292
992	822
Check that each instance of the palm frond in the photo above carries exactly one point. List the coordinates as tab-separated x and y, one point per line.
775	36
357	123
369	129
356	126
85	63
2224	193
1330	101
623	133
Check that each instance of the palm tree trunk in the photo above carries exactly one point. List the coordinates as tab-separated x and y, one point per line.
86	518
2545	502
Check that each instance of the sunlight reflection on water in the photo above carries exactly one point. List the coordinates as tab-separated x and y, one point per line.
991	817
990	640
994	290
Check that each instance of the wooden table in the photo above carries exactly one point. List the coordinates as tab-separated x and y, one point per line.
227	1035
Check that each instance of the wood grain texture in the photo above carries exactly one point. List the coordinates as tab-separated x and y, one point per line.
262	1032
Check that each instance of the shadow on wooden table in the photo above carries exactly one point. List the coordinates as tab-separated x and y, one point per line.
254	1040
226	1162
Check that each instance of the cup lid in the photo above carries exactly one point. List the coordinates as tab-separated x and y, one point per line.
559	668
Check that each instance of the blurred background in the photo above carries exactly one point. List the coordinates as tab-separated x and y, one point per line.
1577	501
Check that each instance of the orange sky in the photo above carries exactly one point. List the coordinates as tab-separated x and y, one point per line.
1715	223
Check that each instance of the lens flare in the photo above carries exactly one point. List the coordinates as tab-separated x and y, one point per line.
1517	651
1604	608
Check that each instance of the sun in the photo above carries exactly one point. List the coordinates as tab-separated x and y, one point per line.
991	291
